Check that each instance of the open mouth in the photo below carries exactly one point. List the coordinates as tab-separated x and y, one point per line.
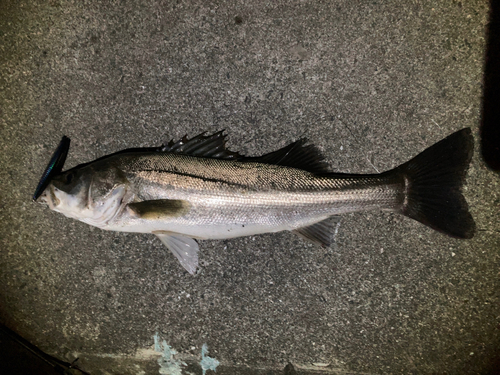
49	198
54	167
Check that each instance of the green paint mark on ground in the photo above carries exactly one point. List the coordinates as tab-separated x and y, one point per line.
168	364
207	363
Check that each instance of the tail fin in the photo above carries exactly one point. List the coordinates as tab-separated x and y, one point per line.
433	180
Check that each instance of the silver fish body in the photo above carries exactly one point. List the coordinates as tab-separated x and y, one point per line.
197	189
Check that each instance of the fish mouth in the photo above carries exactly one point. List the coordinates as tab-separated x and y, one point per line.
54	167
49	198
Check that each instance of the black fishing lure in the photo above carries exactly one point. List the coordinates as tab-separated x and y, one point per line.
54	167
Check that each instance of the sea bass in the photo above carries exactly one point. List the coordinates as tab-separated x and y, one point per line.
196	189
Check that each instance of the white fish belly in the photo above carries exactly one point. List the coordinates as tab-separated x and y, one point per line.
211	231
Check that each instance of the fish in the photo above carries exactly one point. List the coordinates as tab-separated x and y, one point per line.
195	189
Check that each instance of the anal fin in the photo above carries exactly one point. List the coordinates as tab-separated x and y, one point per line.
184	248
322	233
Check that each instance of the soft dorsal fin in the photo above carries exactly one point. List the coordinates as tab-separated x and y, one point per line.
296	155
208	146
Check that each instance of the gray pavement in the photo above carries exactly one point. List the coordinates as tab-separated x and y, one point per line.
372	83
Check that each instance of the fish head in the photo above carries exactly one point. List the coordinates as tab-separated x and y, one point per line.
89	193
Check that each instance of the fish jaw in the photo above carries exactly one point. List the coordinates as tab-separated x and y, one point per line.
48	198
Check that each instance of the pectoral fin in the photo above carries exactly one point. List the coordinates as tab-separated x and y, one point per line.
159	208
184	248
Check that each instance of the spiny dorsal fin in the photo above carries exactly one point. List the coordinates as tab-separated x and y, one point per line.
208	146
296	155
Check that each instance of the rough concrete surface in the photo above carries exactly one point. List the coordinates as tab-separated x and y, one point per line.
372	83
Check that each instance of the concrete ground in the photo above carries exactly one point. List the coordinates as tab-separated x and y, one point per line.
372	83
